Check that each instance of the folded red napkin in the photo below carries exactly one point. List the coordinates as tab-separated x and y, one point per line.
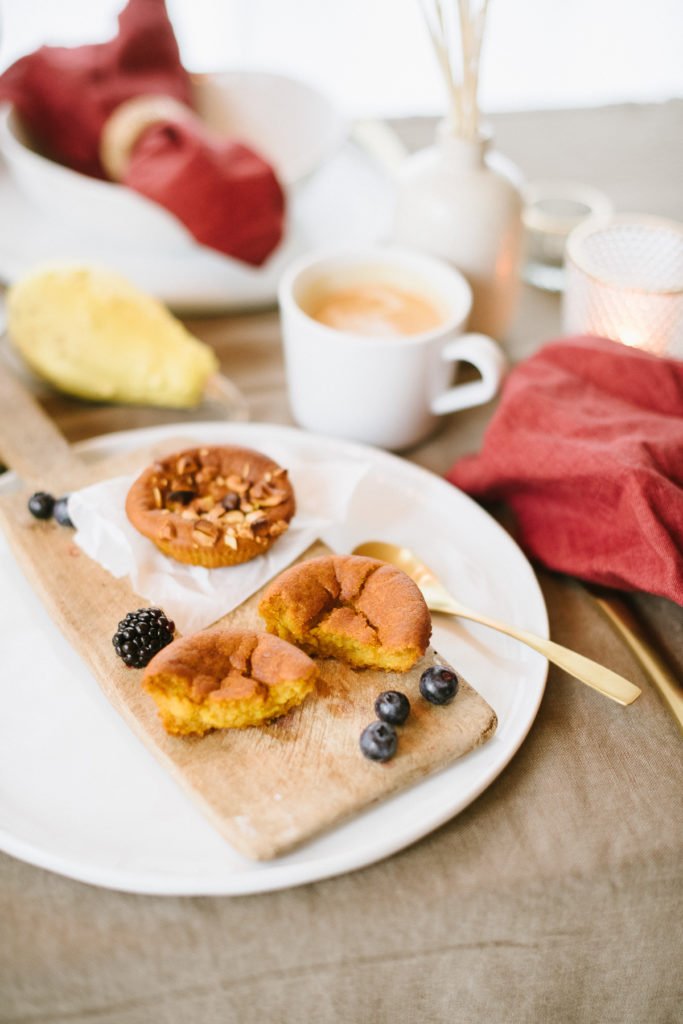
226	195
586	447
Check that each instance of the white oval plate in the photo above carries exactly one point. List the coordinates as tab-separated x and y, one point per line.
81	796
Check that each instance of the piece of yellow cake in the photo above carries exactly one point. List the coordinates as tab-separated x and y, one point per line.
360	610
91	333
226	679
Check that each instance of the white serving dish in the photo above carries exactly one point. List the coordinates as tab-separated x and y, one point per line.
79	793
347	201
289	122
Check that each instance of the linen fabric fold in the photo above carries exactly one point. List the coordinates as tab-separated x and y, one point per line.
64	97
223	191
586	448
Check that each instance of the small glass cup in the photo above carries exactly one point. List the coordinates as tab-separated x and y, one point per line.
552	209
625	282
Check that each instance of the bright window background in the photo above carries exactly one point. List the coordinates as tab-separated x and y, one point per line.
374	56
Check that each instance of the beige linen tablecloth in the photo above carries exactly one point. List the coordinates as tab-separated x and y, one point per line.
555	897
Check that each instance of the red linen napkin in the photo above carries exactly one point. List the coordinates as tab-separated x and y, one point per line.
586	447
226	195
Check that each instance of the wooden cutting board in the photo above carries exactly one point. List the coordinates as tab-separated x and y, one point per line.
265	789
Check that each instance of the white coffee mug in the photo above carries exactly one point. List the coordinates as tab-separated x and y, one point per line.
385	391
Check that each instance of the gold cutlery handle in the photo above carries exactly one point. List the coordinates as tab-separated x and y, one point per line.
602	679
619	614
438	599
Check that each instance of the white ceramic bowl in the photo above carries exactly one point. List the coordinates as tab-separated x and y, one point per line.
290	123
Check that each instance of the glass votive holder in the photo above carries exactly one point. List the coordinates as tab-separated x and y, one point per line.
625	282
552	209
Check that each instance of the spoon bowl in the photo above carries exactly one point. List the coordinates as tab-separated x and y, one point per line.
438	599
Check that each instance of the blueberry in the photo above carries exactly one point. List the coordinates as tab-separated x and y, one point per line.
438	685
231	501
41	505
392	707
182	497
61	512
378	741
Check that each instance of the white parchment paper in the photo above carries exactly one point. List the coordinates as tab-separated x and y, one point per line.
191	595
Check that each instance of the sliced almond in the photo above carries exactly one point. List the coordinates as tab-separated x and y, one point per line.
234	517
158	498
210	529
276	497
189	513
203	540
256	517
231	541
217	512
186	464
205	533
246	506
205	504
237	484
259	490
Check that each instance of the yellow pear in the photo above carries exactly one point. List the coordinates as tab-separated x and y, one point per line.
91	333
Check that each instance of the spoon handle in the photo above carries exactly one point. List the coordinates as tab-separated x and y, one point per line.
609	683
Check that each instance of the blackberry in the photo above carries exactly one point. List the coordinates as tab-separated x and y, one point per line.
41	505
141	635
392	707
61	511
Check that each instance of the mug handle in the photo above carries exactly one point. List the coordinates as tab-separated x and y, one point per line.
484	353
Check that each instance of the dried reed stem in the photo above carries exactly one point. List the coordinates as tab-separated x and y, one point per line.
456	28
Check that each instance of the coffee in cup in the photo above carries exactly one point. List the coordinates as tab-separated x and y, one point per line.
376	309
371	337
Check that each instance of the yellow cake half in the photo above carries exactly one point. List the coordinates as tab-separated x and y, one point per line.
365	612
226	679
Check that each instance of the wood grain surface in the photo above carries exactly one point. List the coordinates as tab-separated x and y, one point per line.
265	789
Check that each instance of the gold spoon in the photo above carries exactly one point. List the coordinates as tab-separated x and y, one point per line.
439	600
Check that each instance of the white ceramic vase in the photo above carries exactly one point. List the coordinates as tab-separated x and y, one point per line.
462	202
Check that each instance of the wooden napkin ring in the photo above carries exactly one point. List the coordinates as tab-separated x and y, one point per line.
125	125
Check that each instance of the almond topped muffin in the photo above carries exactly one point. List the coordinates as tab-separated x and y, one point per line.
212	506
